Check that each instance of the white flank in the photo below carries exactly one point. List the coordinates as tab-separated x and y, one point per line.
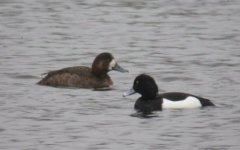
189	102
112	64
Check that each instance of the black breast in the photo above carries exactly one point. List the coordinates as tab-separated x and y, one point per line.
147	106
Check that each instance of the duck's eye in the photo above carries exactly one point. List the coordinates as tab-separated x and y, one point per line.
137	82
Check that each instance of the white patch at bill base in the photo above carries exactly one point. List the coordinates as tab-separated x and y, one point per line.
112	64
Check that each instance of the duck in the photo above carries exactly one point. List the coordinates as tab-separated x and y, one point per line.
83	76
151	100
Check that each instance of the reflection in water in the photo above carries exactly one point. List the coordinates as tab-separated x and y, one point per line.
187	46
144	115
104	89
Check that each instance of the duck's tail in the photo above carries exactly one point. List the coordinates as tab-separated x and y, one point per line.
206	102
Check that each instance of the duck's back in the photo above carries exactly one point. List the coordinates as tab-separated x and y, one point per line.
79	76
182	99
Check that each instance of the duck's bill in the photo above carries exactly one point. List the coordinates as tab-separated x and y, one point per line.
119	68
130	92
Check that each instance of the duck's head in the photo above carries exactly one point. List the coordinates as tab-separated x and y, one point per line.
104	63
144	85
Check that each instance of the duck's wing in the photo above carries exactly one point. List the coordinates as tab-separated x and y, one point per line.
79	70
66	76
175	96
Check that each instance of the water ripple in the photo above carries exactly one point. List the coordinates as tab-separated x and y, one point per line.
190	46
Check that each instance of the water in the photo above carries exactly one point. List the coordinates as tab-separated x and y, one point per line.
187	46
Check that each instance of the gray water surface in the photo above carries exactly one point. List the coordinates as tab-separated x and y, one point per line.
188	46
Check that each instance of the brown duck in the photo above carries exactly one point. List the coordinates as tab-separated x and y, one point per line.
84	77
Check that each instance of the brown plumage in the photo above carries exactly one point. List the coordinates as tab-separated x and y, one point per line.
84	77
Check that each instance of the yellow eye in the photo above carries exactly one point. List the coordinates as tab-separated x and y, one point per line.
137	82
